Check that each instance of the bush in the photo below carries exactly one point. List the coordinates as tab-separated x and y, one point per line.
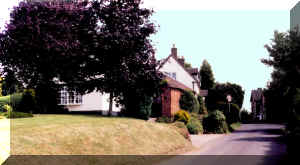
194	126
245	116
181	128
136	106
189	102
215	122
202	108
182	116
164	119
28	103
13	114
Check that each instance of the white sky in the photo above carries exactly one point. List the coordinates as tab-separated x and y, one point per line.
220	4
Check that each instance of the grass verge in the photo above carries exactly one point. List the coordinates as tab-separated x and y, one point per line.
92	135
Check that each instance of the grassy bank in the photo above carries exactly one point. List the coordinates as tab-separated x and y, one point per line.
92	135
234	126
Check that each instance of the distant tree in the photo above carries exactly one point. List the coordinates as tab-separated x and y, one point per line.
217	96
187	65
206	76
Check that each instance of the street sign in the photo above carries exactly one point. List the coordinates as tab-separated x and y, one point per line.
229	98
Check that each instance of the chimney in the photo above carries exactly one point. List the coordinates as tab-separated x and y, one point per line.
181	60
174	51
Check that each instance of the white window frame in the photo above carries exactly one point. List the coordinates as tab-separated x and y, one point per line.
69	97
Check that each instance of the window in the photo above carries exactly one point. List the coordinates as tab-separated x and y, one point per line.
171	74
69	97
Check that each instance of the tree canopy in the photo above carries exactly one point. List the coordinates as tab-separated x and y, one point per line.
217	95
86	46
284	58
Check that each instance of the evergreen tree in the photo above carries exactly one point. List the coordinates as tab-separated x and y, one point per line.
206	76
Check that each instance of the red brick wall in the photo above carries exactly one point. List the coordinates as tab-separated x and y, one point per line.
175	96
170	102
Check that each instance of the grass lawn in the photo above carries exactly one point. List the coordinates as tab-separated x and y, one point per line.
92	135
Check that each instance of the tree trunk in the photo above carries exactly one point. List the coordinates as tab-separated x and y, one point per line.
110	104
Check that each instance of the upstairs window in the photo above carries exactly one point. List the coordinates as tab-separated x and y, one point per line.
171	74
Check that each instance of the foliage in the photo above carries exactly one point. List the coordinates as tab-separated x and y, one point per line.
137	106
182	116
14	114
28	103
283	57
10	84
215	122
245	116
164	119
85	46
189	102
206	76
182	129
194	126
187	65
202	108
220	92
234	126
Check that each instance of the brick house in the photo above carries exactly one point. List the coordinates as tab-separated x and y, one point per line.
178	79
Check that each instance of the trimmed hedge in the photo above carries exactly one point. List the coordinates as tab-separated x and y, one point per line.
182	116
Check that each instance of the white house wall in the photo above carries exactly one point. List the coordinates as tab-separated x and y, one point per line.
181	75
94	101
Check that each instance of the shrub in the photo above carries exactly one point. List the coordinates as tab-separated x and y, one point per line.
181	128
202	108
194	126
182	116
28	103
13	114
189	102
164	119
215	122
2	108
245	116
136	106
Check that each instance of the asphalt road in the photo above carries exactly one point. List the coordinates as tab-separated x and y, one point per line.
251	144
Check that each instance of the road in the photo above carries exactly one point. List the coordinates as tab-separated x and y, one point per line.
251	144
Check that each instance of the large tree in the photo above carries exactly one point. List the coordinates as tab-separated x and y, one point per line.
206	76
284	58
101	46
47	43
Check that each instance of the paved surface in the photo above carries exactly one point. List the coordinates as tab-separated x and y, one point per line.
4	139
250	144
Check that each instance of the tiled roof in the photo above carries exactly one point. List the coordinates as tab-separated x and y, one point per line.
175	84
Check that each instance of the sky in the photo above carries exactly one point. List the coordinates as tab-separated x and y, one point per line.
229	34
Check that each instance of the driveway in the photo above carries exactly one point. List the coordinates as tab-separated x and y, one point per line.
250	144
4	139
